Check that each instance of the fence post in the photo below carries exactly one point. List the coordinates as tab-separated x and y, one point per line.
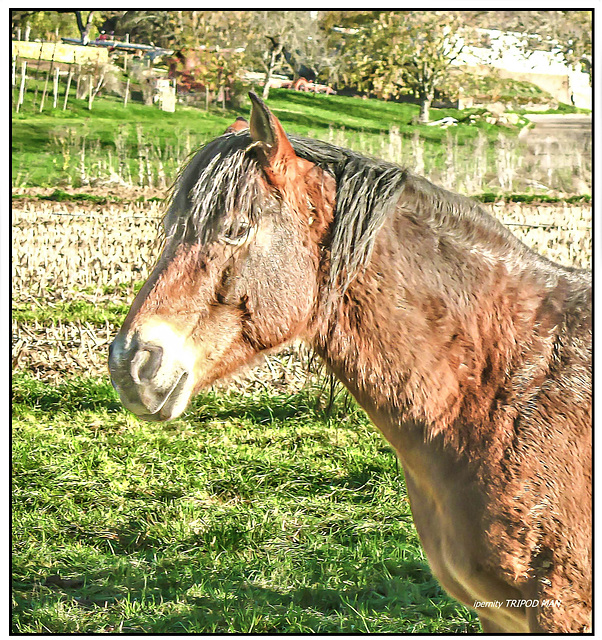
55	87
127	93
35	97
69	78
77	84
82	166
44	91
47	78
22	87
13	82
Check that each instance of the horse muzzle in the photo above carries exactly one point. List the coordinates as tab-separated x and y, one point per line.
152	372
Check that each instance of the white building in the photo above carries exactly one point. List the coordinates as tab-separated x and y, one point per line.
546	69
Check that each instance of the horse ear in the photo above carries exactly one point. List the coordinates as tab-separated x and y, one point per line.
269	138
311	189
238	125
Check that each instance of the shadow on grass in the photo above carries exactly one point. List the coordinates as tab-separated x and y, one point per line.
229	600
81	394
362	109
389	114
261	407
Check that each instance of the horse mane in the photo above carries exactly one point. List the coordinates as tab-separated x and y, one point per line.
223	178
367	191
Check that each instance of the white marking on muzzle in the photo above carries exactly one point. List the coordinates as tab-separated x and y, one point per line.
175	374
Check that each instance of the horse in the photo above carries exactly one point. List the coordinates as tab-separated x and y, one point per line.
470	352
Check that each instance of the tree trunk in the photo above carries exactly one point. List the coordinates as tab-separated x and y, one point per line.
276	51
268	75
84	31
425	104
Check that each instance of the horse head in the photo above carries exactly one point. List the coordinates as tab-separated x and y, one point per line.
239	271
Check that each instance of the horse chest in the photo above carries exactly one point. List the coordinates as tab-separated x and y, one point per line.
448	513
448	505
445	511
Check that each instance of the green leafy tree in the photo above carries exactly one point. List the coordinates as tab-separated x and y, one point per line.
48	25
341	31
401	52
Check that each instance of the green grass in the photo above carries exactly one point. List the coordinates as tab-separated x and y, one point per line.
531	198
70	311
310	113
46	148
42	144
252	513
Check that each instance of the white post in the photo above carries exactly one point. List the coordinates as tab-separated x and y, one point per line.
55	87
45	91
69	78
127	93
22	87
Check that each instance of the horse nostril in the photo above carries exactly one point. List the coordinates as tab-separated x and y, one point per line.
146	363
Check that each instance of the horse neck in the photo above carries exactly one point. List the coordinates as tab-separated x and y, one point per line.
431	329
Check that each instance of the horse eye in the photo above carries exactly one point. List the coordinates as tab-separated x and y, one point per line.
237	234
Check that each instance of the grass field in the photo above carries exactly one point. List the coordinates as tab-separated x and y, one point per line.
76	146
112	146
254	513
257	511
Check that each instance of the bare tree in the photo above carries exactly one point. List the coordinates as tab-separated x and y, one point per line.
290	41
84	30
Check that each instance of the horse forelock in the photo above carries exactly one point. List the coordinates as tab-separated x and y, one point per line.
221	181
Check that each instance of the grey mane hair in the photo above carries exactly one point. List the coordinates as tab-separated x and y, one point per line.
228	184
220	187
365	198
367	190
